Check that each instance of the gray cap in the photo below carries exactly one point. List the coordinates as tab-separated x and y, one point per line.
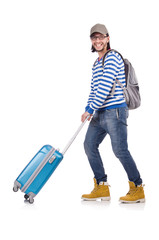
99	28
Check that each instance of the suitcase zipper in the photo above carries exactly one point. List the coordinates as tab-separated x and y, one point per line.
39	168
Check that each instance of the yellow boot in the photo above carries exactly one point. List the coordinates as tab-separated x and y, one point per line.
100	191
135	194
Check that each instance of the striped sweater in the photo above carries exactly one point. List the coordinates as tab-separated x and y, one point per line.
102	83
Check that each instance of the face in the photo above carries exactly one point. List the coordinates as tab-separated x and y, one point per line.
99	42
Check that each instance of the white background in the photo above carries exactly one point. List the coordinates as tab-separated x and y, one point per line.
45	73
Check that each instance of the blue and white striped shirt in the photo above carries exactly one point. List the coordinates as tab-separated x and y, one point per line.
102	83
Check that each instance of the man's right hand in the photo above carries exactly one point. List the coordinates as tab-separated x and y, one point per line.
85	115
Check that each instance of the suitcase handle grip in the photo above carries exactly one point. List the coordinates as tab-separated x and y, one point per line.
75	135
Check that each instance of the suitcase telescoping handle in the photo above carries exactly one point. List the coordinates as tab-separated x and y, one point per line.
74	136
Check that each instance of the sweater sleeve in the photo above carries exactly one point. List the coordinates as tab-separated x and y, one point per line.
90	98
105	82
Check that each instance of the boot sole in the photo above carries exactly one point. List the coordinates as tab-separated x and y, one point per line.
94	199
137	201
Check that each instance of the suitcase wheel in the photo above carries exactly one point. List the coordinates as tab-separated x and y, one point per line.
15	189
16	186
26	196
31	200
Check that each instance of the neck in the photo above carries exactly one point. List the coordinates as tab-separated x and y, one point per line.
101	54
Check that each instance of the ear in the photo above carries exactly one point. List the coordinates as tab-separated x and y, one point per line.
108	38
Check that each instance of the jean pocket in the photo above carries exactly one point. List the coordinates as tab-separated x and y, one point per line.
122	115
127	112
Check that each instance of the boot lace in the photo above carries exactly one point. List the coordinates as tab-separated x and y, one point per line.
134	190
95	189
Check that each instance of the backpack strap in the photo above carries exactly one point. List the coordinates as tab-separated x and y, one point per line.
108	52
114	85
95	62
116	80
106	55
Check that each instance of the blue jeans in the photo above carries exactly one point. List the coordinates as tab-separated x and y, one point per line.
114	123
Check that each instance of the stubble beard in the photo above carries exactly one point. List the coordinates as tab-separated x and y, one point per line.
101	50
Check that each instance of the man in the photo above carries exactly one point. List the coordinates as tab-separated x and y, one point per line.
109	117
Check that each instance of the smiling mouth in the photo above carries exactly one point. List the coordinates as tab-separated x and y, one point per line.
99	45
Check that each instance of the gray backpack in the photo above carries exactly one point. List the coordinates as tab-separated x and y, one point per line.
131	91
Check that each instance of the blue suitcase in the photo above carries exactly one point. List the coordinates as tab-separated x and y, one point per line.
40	168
